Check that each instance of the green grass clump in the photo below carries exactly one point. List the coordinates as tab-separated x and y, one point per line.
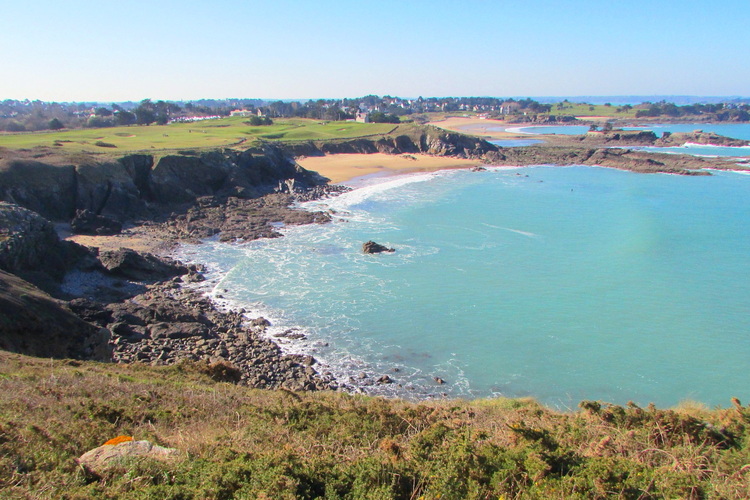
237	442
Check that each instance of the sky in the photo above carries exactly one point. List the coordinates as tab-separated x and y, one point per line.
109	51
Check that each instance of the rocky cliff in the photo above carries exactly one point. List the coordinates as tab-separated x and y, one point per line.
31	249
428	140
138	185
33	323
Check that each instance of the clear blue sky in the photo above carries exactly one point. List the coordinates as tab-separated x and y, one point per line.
163	49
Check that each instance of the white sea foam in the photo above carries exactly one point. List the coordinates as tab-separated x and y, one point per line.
698	145
521	130
517	231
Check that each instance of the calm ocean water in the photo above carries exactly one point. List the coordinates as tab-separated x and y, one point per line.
558	283
734	130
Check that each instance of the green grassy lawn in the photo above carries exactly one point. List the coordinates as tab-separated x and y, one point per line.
576	109
225	132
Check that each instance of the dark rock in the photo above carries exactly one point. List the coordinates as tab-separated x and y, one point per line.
385	379
439	380
87	222
372	247
260	322
31	249
140	267
33	323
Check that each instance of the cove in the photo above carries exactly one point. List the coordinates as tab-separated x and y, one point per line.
558	283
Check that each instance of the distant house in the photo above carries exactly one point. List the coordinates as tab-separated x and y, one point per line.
240	112
363	117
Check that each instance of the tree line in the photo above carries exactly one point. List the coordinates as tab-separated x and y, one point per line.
20	116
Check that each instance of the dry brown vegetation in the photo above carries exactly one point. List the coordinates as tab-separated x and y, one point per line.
241	443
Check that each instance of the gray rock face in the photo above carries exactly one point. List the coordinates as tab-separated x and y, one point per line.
104	457
136	266
31	249
87	222
133	186
33	323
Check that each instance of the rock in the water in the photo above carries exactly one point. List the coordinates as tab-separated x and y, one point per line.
87	222
106	456
372	247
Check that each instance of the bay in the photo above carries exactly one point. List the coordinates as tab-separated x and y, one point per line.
558	283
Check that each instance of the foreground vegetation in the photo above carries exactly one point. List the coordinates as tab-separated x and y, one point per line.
242	443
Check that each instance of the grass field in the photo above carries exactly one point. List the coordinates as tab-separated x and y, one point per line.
576	109
225	132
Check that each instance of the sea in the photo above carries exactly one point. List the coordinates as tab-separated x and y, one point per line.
734	130
558	283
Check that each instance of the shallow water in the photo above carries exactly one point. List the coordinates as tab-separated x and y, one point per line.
734	130
558	283
516	143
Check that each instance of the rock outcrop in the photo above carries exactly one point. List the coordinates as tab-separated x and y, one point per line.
34	323
129	264
31	249
699	137
168	324
87	222
372	247
427	140
139	185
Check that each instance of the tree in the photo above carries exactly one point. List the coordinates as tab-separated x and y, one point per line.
256	121
124	118
607	127
378	117
55	124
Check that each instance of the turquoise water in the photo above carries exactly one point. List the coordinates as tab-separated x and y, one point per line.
516	143
734	130
699	150
558	283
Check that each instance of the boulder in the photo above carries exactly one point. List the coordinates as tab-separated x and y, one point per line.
87	222
107	456
130	264
372	247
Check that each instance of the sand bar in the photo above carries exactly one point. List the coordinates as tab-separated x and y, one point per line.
345	167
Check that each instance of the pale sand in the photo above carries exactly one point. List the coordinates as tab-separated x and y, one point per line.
476	126
345	167
138	239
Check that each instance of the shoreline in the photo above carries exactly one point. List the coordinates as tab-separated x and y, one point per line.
149	238
342	168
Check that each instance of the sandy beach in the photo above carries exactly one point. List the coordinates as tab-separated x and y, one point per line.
139	238
493	129
345	167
